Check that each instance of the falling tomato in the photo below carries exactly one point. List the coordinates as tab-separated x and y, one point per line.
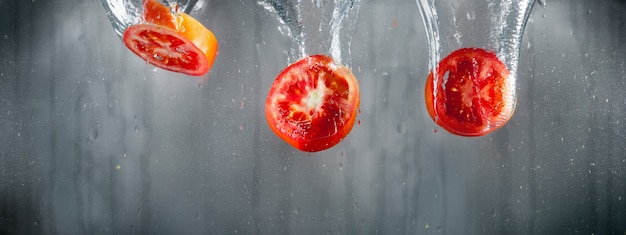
313	103
172	41
473	94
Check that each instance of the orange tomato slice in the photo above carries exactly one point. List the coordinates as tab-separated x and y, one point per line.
172	41
473	93
313	103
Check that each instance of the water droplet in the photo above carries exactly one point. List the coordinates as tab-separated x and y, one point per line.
471	15
340	166
297	210
93	134
157	56
136	128
493	213
401	128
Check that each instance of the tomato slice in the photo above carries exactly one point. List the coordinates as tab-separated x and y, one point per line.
313	103
172	41
473	94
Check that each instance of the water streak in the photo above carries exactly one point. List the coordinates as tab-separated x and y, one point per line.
290	18
342	25
124	13
428	12
292	25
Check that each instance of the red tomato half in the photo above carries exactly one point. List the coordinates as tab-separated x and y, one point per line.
313	103
473	95
172	41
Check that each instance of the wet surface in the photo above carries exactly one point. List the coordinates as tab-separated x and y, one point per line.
95	141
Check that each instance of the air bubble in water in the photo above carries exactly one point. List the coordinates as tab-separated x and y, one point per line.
401	128
93	134
471	15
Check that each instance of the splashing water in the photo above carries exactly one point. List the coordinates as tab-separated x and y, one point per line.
124	13
331	26
492	25
428	12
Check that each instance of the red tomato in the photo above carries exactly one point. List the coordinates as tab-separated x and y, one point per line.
473	95
313	103
172	41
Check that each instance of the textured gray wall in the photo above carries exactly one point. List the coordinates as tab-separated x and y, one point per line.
94	141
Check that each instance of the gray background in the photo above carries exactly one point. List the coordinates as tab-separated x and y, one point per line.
94	141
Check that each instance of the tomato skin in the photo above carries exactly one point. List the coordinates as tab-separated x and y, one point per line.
293	109
161	24
474	95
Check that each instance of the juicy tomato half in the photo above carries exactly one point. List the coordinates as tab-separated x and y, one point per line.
473	94
313	103
172	41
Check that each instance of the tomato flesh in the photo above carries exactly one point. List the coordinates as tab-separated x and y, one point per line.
166	49
472	95
172	41
313	103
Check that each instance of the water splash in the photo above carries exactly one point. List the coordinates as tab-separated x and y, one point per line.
293	23
342	27
502	22
492	25
290	19
124	13
428	12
